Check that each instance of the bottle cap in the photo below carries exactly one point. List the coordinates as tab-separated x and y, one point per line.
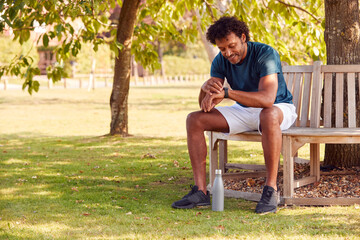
217	171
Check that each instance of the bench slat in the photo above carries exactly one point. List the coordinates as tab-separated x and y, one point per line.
316	96
339	111
351	100
304	116
327	99
290	84
322	132
297	93
340	68
286	77
300	69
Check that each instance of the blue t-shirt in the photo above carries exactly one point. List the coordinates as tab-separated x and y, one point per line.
261	60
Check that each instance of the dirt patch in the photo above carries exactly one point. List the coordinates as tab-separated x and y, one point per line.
336	182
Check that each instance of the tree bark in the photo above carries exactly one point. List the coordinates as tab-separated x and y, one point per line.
121	83
211	50
161	59
342	34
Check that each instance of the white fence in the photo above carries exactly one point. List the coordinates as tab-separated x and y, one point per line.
100	80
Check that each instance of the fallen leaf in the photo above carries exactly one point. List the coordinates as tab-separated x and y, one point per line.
250	182
148	155
198	213
176	163
75	189
128	213
86	214
220	227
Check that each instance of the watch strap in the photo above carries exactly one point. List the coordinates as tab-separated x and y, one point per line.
226	90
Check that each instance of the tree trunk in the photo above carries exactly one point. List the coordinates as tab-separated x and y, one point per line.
342	34
161	59
211	50
121	84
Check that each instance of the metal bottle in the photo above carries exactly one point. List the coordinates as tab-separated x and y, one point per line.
218	192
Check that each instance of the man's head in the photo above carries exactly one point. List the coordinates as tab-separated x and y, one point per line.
231	37
224	26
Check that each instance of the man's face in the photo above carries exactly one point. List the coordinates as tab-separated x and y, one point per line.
232	47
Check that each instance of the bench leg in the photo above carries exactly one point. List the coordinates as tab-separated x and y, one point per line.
213	158
315	160
223	156
288	168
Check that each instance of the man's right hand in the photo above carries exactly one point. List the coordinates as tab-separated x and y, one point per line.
213	85
210	101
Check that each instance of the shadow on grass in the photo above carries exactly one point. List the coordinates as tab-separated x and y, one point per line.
112	187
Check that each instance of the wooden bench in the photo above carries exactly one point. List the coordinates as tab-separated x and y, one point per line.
311	85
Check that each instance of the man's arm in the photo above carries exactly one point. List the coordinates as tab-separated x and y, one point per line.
264	97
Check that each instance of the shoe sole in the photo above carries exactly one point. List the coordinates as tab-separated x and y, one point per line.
201	205
264	213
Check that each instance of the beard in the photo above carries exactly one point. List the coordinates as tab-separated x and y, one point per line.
234	58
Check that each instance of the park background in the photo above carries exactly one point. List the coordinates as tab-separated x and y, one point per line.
63	177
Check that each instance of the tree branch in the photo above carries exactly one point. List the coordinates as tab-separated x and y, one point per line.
301	9
208	7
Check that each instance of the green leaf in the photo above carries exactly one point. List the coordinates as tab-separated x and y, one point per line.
36	86
96	47
12	13
59	29
67	47
45	40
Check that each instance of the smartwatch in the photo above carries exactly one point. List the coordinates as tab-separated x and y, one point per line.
226	90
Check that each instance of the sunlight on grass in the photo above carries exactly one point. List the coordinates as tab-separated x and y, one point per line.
62	178
8	191
15	161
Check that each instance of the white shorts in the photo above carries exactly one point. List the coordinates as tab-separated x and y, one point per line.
242	119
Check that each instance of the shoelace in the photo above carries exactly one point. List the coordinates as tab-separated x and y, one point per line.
267	196
191	192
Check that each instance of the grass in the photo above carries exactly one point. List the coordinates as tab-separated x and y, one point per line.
61	178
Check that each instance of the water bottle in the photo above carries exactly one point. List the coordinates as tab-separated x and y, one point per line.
218	192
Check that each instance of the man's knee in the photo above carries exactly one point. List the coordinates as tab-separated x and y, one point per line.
193	120
271	116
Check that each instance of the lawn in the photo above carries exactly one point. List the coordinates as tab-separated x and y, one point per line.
62	178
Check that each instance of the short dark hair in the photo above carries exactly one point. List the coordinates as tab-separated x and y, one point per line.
224	26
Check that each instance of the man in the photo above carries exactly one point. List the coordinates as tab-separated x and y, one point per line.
263	103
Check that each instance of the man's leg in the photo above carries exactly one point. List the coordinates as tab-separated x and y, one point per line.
270	121
196	124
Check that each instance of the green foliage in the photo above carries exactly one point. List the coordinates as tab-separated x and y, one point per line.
296	31
297	35
73	23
